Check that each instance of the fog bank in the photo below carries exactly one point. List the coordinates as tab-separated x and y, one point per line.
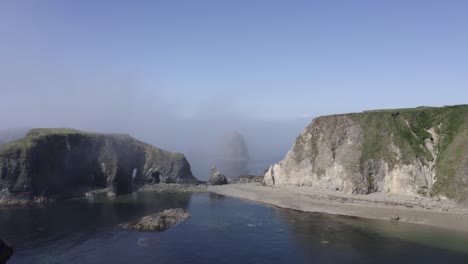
112	104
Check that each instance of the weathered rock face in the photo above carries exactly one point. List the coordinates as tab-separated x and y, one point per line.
159	221
6	252
61	162
411	151
216	177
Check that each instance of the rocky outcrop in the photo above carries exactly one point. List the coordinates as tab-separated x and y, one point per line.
247	179
159	221
56	163
419	151
6	252
216	177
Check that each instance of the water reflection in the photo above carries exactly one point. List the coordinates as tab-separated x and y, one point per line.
75	220
338	239
220	230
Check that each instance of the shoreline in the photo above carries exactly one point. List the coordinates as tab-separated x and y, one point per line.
9	201
410	209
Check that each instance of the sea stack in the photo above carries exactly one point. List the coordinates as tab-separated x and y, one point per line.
55	163
232	155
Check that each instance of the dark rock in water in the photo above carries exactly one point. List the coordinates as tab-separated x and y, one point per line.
57	163
216	177
232	156
159	221
6	252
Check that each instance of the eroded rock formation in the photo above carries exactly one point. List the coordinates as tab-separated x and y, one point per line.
54	163
216	177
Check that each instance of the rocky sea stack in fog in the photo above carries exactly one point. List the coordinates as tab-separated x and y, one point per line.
216	177
420	151
55	163
232	157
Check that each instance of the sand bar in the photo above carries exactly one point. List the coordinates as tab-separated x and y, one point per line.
441	213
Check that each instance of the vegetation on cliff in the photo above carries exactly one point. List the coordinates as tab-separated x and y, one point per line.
408	130
420	150
63	162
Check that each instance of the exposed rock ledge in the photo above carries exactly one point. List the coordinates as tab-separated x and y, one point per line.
159	221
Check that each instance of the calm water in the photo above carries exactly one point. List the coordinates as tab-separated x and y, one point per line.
221	230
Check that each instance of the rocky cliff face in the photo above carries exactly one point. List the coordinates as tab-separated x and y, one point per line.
63	162
406	151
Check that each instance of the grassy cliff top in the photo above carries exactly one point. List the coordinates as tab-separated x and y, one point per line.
35	134
63	131
405	110
40	134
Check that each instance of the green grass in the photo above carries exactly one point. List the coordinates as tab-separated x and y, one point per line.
56	131
34	135
381	127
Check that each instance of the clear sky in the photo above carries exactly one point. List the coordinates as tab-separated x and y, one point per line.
265	59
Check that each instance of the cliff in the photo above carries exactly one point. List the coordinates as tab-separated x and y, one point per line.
54	163
419	151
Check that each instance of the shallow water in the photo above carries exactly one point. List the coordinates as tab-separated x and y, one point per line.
221	230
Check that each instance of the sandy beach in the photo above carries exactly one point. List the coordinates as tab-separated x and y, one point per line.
441	213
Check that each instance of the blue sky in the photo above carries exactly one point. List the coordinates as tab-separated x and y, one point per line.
181	74
263	59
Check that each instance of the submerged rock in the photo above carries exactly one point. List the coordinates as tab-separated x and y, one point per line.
56	163
159	221
6	252
216	177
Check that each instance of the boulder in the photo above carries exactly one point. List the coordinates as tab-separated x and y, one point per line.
6	252
159	221
216	177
